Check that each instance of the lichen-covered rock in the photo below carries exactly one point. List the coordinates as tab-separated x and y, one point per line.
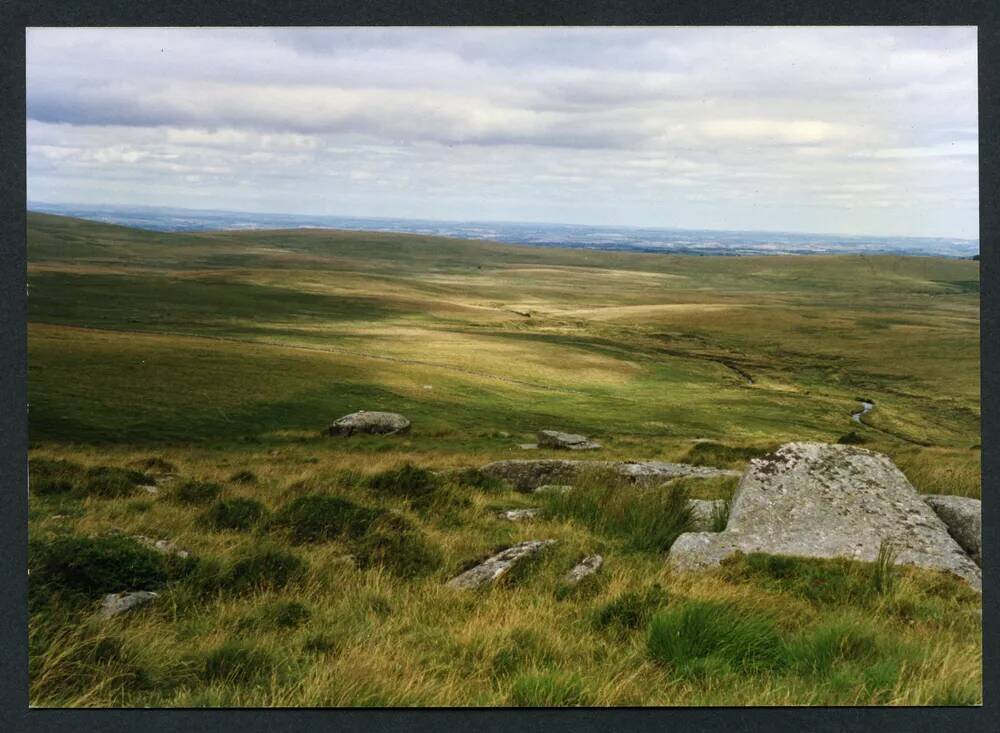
820	500
116	603
528	474
373	423
644	471
566	441
964	519
703	513
495	567
519	515
585	568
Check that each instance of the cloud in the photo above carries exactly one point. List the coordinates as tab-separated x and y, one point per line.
658	126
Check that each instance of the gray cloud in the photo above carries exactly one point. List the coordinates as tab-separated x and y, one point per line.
836	129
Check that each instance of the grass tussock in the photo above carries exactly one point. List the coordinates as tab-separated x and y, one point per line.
644	519
197	492
239	514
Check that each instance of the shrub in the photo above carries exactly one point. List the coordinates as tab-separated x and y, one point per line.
244	477
852	438
408	482
283	615
630	610
398	547
702	636
238	514
474	478
50	486
548	689
112	482
262	569
235	663
197	492
91	567
48	477
320	517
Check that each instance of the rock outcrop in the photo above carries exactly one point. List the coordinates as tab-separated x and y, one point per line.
493	568
583	569
117	603
820	500
964	519
566	441
526	474
373	423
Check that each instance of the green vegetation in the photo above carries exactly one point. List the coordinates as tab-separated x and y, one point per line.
239	514
208	365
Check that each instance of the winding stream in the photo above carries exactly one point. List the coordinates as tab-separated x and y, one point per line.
866	407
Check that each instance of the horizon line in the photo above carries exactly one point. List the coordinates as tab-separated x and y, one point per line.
29	204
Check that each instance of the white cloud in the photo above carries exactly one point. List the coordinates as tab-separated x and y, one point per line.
699	127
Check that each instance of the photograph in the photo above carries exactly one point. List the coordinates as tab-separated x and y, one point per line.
503	366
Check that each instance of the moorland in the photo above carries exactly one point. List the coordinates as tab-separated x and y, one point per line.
180	384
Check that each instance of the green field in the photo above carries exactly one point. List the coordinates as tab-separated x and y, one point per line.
226	352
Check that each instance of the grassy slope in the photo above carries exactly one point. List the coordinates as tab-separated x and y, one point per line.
229	351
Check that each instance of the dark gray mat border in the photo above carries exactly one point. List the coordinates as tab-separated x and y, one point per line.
16	15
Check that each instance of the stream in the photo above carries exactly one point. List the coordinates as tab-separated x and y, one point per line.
866	407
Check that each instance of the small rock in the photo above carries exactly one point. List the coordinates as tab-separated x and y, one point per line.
517	515
373	423
503	434
116	603
428	386
553	489
150	489
528	446
165	546
493	568
963	517
586	567
567	441
703	513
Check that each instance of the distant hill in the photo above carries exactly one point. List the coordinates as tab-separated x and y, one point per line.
609	238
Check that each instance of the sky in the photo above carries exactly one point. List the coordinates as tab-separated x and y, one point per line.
839	130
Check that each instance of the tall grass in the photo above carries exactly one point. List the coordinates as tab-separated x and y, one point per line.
645	519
